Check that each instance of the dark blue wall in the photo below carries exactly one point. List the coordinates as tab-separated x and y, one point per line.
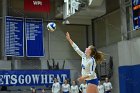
129	79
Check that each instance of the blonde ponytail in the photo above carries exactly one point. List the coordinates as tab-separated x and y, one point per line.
98	55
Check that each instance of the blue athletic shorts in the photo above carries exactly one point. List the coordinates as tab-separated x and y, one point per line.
92	81
66	92
108	92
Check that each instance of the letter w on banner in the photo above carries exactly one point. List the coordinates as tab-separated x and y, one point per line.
37	5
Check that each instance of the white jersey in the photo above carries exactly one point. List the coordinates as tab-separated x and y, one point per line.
107	86
88	64
74	89
101	88
56	88
83	88
65	87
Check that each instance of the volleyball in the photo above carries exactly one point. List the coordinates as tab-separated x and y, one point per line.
51	26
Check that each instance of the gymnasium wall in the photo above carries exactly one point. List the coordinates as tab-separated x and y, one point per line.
125	53
90	35
112	50
125	62
57	46
5	65
129	52
129	79
107	35
108	29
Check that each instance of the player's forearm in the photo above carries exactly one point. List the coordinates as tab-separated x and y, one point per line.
68	38
70	41
85	77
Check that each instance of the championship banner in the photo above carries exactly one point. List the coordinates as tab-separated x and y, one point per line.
32	77
34	37
14	36
37	5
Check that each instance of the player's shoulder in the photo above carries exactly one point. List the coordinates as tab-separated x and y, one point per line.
109	82
92	60
58	83
53	84
76	85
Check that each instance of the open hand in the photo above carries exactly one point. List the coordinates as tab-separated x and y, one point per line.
67	36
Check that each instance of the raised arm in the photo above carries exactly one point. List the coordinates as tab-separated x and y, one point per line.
75	47
69	39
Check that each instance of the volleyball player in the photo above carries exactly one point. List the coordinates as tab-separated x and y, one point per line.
65	87
74	87
100	88
56	86
89	59
107	86
83	87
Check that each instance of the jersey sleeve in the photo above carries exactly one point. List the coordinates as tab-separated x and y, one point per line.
77	89
92	67
59	87
110	85
69	88
76	48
